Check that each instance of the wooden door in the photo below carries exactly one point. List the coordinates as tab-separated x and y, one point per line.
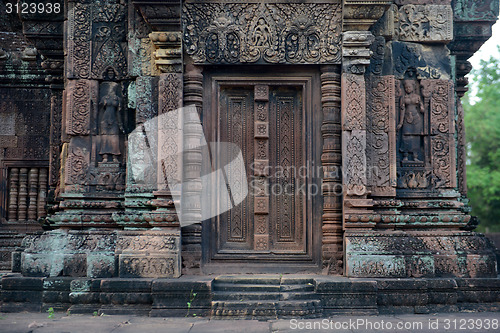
271	122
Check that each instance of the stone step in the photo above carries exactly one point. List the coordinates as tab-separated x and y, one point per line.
297	280
251	279
244	288
296	287
237	296
298	296
264	297
264	279
283	296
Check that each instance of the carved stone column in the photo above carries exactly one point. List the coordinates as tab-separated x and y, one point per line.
193	134
191	196
331	159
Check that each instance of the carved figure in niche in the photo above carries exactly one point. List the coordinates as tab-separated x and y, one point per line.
110	122
261	35
411	122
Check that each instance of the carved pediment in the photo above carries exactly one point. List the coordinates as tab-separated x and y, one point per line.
262	32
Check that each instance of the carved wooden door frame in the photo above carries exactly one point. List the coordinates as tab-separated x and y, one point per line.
308	78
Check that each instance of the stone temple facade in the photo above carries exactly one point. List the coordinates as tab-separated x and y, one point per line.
352	107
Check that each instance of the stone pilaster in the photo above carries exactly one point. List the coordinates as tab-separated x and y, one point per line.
331	159
191	196
357	205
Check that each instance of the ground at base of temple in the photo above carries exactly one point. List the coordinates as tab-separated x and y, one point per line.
62	322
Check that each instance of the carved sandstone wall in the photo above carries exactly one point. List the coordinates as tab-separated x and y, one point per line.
391	76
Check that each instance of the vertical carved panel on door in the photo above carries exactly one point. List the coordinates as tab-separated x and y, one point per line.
286	150
261	134
236	107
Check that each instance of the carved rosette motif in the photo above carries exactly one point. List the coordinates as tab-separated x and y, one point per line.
262	33
145	108
76	166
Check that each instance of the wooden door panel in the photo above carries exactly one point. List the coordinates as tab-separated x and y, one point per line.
287	152
235	226
271	220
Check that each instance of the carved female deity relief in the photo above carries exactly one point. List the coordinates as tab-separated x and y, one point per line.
110	122
411	123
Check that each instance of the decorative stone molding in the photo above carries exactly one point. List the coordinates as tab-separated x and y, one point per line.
103	254
168	54
276	33
361	15
356	51
160	15
45	31
356	54
472	27
424	255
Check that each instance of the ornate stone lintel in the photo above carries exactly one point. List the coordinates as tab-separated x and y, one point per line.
293	33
